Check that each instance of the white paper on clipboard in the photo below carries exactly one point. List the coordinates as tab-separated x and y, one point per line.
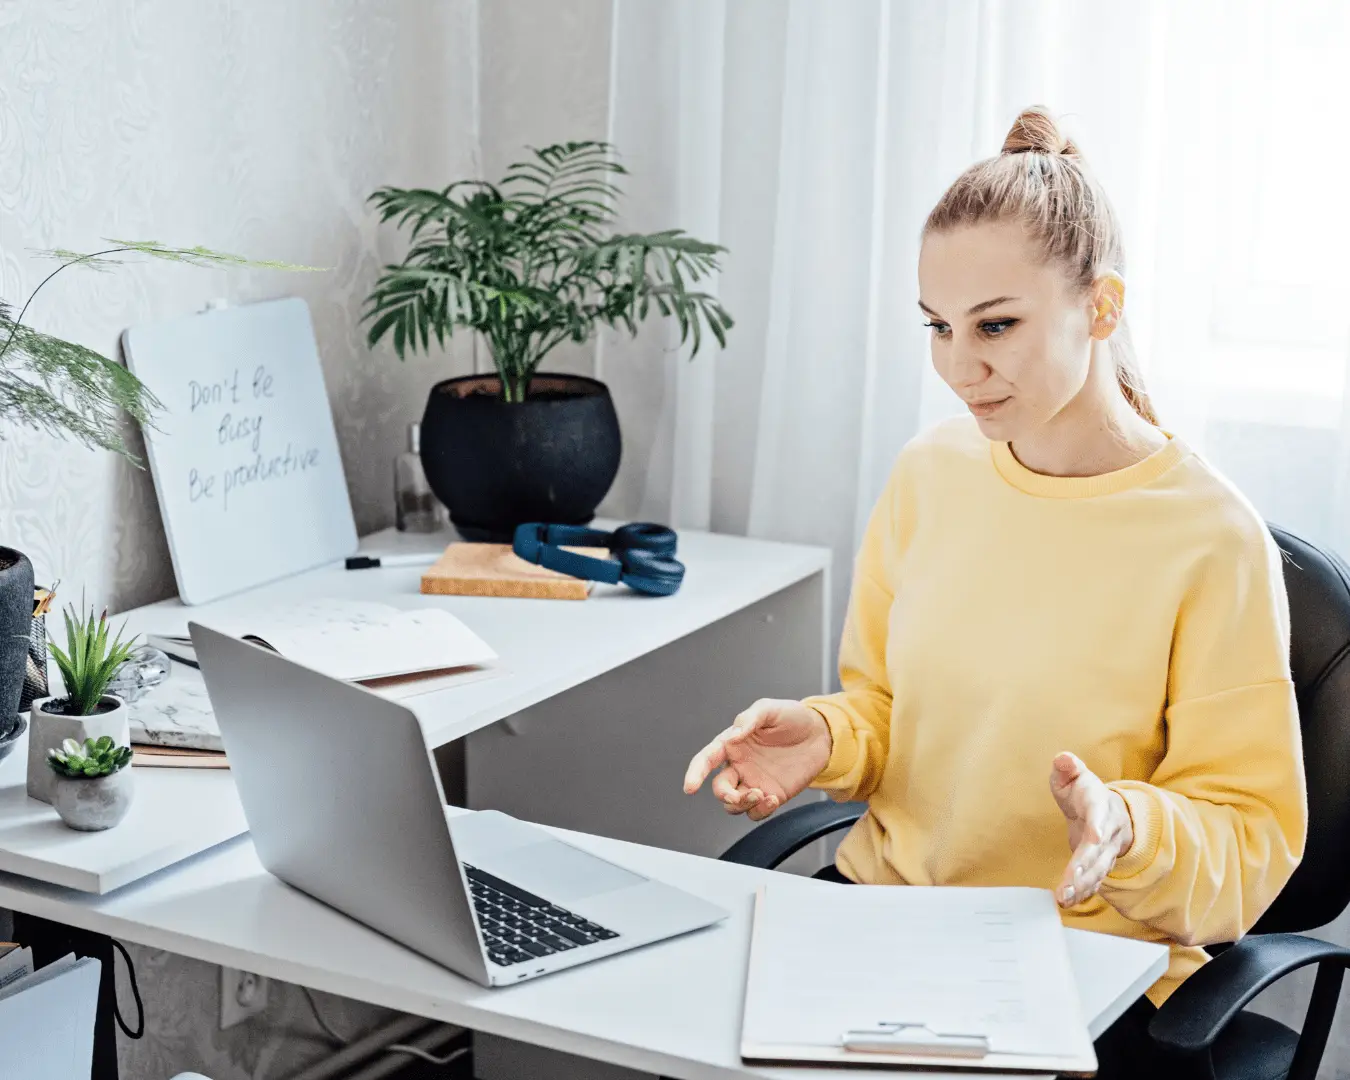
926	964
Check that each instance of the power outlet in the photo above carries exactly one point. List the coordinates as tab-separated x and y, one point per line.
242	995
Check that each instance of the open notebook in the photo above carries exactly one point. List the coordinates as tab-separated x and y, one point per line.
940	977
355	640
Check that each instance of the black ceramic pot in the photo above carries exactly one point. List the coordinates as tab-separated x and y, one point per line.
551	457
16	618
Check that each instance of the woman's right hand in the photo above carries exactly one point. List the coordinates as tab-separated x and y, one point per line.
771	752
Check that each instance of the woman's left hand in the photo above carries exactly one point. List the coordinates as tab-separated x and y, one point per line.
1100	829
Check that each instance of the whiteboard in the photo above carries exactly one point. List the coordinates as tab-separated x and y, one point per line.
244	454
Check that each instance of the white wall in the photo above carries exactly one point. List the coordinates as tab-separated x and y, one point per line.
255	127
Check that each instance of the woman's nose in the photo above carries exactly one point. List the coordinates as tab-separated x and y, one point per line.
965	368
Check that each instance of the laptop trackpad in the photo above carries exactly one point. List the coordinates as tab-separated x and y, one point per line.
558	871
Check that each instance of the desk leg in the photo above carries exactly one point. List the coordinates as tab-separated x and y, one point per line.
51	941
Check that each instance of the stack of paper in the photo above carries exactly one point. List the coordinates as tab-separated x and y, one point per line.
47	1016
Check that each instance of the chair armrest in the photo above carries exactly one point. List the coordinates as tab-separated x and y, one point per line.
789	831
1197	1012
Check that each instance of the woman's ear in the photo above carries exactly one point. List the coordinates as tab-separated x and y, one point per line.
1108	304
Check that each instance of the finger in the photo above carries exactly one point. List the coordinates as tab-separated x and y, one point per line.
704	762
1090	880
763	808
1064	770
715	753
741	799
1069	890
747	721
745	802
726	785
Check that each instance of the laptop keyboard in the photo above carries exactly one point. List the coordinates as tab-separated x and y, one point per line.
518	926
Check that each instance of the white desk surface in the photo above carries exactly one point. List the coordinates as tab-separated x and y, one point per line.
673	1008
175	813
546	646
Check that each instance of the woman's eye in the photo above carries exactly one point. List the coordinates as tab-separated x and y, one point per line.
995	327
941	327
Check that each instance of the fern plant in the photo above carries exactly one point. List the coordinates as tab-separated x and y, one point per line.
532	261
89	660
97	757
63	388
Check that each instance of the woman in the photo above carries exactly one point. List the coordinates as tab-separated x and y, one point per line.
1053	585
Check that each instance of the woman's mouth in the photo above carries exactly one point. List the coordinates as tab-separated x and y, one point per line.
986	408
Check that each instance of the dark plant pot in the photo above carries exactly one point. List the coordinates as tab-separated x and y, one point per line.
496	464
16	619
11	740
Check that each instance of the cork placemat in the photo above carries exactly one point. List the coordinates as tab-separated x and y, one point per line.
467	569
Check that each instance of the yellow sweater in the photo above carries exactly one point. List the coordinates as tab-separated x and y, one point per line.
1138	619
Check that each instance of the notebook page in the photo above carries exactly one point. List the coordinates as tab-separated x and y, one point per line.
989	962
355	639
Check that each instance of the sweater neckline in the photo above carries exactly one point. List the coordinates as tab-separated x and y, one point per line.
1080	487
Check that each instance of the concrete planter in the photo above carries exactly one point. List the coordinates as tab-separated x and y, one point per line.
91	804
47	731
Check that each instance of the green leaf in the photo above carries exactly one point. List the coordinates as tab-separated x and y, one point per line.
70	391
532	262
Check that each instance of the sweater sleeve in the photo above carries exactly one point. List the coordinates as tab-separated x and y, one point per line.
859	716
1221	825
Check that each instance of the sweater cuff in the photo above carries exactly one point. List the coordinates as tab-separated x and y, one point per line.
1147	821
844	751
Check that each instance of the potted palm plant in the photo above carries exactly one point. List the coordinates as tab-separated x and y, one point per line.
86	710
527	264
68	390
91	786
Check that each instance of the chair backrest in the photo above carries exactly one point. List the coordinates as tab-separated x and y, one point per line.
1318	584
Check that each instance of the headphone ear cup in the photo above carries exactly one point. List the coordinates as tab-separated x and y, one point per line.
649	572
644	536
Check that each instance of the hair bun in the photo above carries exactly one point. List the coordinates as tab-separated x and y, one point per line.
1036	132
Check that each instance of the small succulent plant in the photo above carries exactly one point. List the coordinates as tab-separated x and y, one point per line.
89	661
97	757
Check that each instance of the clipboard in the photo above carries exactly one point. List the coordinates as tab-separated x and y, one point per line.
797	935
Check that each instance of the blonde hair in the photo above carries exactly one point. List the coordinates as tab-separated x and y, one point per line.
1040	180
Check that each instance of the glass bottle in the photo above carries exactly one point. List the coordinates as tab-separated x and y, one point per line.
416	509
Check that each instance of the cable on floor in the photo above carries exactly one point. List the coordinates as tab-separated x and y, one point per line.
392	1048
417	1051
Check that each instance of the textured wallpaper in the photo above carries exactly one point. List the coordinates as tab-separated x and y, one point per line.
255	127
249	126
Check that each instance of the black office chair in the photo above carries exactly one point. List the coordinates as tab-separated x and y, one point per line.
1205	1019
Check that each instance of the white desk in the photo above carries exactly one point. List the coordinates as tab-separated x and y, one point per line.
673	1009
750	616
175	813
548	646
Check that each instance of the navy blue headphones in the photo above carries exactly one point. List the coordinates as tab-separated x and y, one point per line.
644	554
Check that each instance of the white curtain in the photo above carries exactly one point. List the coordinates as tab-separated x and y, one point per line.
811	137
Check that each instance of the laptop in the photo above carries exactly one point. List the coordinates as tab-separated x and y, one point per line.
344	803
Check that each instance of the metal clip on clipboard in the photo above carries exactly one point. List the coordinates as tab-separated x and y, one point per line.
916	1039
